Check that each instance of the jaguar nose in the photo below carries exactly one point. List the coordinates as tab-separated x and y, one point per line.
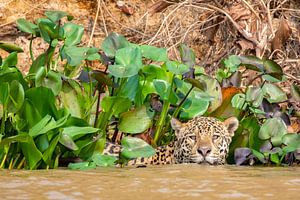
204	151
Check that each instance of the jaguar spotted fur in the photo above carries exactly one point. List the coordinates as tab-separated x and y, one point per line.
200	140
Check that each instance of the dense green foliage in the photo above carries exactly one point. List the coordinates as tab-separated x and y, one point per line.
49	114
62	108
262	134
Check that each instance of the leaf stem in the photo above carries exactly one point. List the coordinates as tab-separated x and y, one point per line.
30	48
177	110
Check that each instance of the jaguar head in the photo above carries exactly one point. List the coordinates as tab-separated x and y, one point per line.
203	140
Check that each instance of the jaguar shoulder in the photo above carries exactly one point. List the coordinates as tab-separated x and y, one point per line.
200	140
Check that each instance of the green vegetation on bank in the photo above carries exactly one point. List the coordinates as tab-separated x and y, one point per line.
62	108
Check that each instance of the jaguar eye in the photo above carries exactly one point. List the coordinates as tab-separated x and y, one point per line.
215	137
193	137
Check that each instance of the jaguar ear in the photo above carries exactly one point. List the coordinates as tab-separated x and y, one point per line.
232	124
176	124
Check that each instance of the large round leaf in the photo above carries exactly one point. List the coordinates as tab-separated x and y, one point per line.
112	43
232	63
176	67
72	33
254	95
195	108
136	147
154	53
214	90
291	140
274	93
136	121
55	15
273	129
104	160
51	80
162	88
128	62
115	105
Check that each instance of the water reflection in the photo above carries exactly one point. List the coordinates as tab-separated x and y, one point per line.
167	182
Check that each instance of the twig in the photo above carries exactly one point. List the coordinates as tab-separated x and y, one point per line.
95	22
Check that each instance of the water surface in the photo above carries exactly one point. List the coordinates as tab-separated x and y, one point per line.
159	183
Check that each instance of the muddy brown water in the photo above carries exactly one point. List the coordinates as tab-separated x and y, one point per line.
164	182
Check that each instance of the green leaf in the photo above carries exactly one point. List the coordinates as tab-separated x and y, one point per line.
72	98
154	53
73	33
75	55
4	94
31	153
45	103
254	95
104	160
176	67
274	93
39	62
135	147
213	89
48	29
273	128
36	130
11	60
259	156
136	121
239	101
8	47
274	158
112	43
82	166
291	140
252	62
16	97
295	92
51	80
47	155
273	69
26	26
68	142
232	63
115	105
75	132
163	88
187	55
128	62
196	108
54	16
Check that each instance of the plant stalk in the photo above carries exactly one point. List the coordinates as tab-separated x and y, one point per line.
161	121
177	110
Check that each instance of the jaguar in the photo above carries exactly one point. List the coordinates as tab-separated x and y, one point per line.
199	140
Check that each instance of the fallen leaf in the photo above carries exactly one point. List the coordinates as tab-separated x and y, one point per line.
282	35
